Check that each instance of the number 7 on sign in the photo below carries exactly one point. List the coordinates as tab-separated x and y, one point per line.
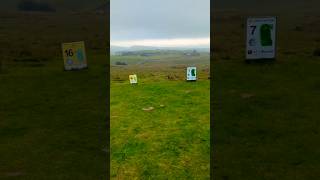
253	29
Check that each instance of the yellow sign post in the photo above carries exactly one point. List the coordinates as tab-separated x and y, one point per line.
133	79
74	55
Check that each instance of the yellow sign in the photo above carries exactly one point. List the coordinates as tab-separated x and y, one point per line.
133	79
74	55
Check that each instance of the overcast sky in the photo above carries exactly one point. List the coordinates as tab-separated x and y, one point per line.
173	23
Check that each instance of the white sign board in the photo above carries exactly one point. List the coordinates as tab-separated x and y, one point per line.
191	74
261	38
74	55
133	79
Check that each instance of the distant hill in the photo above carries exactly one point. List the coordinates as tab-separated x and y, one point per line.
267	5
59	5
29	5
116	49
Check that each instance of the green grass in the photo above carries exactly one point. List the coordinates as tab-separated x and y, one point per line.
266	120
52	122
266	115
170	142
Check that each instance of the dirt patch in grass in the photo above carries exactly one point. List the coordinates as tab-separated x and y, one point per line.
173	77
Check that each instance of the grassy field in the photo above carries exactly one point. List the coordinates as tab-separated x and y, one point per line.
172	141
52	122
266	115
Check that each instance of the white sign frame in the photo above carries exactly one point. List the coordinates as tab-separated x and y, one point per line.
254	43
190	77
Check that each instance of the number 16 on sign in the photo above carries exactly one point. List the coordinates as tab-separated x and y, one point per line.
74	55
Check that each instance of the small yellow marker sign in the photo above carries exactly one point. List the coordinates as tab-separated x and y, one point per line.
133	79
74	55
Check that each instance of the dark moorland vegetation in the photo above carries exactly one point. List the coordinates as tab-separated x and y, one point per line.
29	5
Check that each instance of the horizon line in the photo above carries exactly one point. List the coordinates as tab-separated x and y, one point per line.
173	42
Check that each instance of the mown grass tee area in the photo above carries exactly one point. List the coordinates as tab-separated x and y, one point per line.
52	122
266	115
160	128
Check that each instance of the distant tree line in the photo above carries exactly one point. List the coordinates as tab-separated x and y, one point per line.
30	5
158	52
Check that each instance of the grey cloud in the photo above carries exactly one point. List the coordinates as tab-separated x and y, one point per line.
151	19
